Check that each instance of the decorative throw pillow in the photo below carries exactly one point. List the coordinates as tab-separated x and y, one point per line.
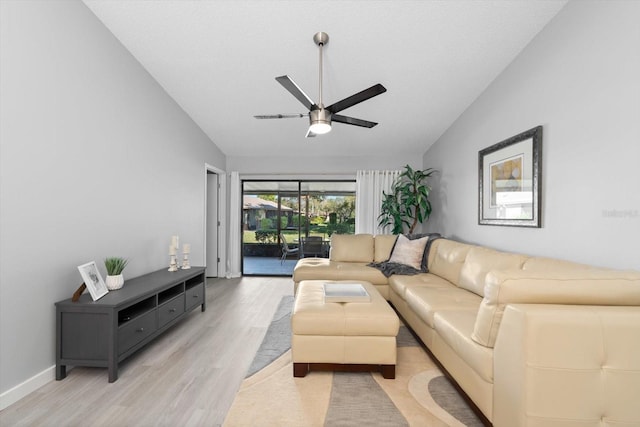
409	252
425	257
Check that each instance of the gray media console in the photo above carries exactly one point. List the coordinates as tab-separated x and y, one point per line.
103	333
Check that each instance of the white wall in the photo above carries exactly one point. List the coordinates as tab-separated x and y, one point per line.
96	160
579	79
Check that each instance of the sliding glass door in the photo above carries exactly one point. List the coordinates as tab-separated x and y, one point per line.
285	220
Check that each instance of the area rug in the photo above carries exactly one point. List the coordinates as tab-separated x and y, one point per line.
270	396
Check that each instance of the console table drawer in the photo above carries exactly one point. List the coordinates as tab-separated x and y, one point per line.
136	330
171	310
194	296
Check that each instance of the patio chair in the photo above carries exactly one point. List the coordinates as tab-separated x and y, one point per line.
286	250
312	246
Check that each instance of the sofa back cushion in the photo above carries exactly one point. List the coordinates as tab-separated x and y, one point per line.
446	258
382	246
542	263
480	261
351	248
576	287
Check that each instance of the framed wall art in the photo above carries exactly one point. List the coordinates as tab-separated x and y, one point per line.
93	280
509	181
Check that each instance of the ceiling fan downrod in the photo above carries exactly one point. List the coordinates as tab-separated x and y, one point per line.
320	119
320	39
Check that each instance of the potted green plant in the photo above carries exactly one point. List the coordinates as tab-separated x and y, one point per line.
115	266
408	202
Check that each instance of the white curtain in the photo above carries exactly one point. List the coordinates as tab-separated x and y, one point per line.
233	254
369	188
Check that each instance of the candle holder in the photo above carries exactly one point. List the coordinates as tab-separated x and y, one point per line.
173	250
185	261
173	264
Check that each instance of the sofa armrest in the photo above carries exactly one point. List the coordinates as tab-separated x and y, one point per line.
591	287
588	287
567	365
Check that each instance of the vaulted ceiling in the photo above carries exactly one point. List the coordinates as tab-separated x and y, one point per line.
218	59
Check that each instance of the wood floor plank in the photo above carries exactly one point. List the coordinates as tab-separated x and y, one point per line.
188	376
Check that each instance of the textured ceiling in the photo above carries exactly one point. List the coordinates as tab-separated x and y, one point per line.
218	60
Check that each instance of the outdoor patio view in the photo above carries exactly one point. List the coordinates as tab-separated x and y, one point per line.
286	220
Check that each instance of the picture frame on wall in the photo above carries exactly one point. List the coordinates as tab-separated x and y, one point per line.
93	280
509	181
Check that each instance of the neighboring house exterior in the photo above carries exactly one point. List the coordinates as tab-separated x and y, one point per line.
254	209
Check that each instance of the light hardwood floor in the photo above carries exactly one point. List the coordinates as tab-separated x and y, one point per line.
186	377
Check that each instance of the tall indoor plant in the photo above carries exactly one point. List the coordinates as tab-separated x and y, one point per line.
408	202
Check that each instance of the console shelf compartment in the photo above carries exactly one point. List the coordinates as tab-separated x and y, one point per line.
103	333
170	293
138	309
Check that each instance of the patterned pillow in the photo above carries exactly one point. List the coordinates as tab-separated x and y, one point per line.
409	252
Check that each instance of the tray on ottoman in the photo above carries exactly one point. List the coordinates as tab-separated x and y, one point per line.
345	292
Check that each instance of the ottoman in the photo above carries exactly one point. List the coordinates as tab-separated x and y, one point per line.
342	336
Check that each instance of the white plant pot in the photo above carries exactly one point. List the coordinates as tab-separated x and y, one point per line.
114	282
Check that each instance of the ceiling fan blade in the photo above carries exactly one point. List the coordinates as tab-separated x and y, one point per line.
352	121
357	98
295	90
310	134
281	116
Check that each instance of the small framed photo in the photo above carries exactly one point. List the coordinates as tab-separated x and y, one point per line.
93	280
509	181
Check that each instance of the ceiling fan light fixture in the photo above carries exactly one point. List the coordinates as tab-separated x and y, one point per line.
320	121
320	128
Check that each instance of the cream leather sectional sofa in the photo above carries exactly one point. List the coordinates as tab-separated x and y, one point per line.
532	341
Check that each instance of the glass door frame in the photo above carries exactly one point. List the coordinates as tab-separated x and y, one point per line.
303	197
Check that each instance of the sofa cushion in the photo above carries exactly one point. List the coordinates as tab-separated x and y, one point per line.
409	252
455	329
480	261
322	268
575	287
426	301
446	258
358	271
382	246
400	283
314	268
351	248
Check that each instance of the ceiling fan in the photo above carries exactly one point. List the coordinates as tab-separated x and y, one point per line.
321	117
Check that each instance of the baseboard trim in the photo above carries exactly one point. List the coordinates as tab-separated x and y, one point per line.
16	393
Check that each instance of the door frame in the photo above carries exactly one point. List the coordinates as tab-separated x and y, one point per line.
222	217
